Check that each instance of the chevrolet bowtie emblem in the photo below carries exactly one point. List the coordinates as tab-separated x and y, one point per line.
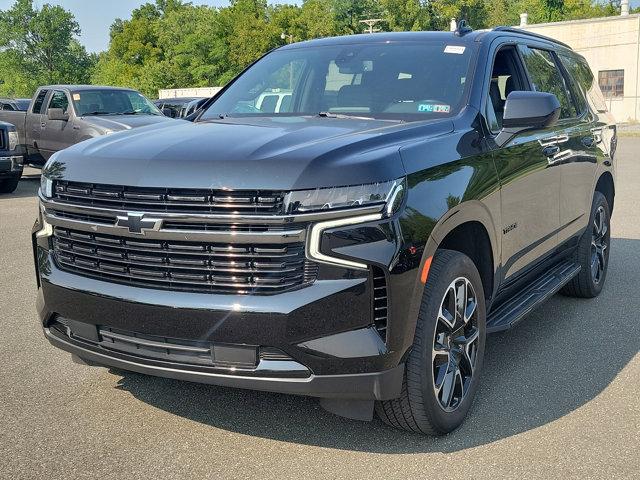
138	224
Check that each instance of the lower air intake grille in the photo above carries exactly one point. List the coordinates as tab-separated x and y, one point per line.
240	269
380	303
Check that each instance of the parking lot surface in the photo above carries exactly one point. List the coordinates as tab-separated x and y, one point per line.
560	396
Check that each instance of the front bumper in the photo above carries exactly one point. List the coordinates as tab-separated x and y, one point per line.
366	386
11	164
324	329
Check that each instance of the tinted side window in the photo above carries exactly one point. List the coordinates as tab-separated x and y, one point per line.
59	100
578	81
37	105
545	77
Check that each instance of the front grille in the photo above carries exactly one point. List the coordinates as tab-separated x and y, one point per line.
206	267
170	200
2	141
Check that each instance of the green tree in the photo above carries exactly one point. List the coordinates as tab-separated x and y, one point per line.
39	47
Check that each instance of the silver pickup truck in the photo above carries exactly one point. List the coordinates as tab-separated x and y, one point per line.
62	115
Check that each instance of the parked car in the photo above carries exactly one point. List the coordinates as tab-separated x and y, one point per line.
419	191
179	107
63	115
11	158
14	104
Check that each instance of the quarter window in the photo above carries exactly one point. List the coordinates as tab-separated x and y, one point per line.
545	77
611	82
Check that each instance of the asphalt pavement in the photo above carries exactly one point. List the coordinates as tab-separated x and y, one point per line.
560	396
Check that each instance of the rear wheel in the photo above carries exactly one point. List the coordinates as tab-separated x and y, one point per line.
9	185
592	253
444	366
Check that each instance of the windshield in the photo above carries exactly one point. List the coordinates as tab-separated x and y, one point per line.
406	81
112	102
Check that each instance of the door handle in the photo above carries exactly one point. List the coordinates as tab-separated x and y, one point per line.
554	140
551	150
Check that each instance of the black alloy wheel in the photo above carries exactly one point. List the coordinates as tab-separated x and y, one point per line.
455	344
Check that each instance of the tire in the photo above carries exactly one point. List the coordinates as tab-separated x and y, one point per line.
9	185
594	246
422	406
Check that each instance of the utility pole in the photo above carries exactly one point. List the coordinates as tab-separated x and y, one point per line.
370	23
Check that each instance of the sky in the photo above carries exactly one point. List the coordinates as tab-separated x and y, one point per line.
96	16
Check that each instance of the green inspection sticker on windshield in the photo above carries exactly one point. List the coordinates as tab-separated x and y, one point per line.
433	108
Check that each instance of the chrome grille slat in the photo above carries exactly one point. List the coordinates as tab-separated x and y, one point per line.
169	200
211	268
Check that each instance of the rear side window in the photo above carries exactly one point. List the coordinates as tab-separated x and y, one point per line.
37	105
545	77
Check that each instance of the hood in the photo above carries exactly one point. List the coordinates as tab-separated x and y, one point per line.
124	122
282	153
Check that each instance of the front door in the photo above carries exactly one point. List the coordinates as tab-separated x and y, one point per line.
530	186
56	134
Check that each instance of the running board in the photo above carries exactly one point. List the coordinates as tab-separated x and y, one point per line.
543	287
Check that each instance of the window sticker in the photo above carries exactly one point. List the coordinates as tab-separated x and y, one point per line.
457	49
76	97
433	108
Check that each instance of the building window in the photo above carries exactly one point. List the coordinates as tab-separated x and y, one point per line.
611	82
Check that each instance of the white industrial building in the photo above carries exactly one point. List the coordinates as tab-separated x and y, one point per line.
611	45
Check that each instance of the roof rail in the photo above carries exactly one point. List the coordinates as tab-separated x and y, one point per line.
530	34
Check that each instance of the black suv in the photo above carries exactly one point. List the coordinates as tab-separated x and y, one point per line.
413	192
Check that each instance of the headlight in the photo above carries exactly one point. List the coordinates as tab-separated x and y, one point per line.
303	201
389	195
46	186
13	139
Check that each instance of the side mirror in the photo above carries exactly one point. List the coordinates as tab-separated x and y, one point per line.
528	111
57	114
167	112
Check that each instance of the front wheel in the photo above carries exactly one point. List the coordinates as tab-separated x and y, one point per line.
444	366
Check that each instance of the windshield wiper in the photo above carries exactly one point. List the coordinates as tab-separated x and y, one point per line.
342	115
97	112
133	112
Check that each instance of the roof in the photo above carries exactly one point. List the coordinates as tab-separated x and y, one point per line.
423	36
80	88
382	37
178	99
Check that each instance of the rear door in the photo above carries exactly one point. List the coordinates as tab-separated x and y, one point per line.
580	165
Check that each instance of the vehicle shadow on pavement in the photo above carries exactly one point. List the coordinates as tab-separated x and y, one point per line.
558	359
28	186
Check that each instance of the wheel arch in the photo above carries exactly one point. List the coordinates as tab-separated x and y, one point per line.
606	186
457	230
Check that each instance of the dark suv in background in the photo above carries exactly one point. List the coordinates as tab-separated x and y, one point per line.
416	192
